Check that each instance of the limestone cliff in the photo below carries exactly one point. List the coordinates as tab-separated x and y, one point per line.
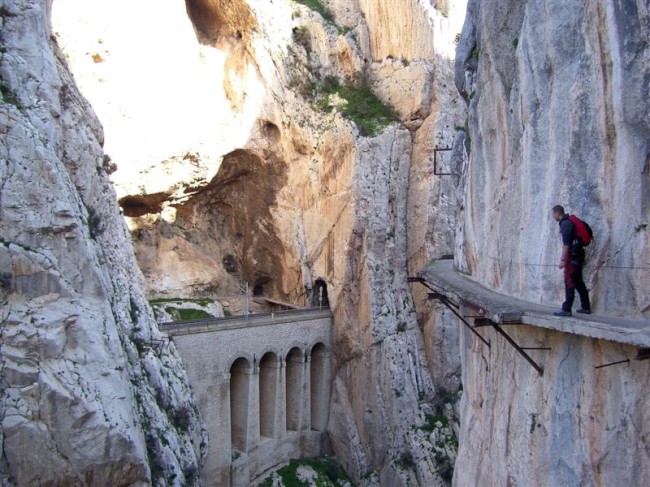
558	114
90	394
268	183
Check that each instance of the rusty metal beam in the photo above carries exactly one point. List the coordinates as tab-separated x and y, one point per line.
612	363
414	279
443	299
499	330
641	354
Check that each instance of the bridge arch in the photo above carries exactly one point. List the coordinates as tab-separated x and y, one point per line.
319	340
249	357
295	378
241	371
268	394
320	376
302	346
269	349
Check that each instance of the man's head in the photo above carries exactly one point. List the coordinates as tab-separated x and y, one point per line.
558	212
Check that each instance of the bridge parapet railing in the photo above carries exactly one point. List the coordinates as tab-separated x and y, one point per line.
242	321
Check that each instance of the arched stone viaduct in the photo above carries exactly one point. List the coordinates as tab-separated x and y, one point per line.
263	385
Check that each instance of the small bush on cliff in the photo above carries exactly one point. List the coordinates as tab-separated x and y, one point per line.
356	102
328	473
180	314
95	227
301	37
318	7
9	96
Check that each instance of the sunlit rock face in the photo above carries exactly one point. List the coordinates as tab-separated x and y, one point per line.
263	186
87	398
558	115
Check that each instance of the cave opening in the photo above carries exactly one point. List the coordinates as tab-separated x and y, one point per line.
319	297
258	290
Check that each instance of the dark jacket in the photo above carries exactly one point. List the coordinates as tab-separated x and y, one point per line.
569	238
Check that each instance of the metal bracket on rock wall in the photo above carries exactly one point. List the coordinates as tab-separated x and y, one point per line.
435	161
642	354
481	321
443	299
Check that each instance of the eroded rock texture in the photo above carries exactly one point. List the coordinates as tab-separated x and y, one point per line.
558	115
295	194
88	395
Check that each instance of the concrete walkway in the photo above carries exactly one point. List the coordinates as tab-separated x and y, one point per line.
459	288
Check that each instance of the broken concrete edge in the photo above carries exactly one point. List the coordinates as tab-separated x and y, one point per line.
591	329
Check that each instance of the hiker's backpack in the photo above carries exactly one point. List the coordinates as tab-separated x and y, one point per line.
584	234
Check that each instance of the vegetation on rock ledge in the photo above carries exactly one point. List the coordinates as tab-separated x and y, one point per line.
356	103
323	473
317	6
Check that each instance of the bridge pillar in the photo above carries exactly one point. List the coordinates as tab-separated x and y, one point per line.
254	407
305	423
243	397
320	383
281	401
295	390
270	394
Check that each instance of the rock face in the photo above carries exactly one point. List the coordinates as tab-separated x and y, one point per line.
557	116
229	169
576	425
297	196
89	396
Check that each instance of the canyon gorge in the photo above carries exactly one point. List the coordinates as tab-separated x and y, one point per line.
178	149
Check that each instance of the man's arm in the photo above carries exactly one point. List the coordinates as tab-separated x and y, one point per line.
565	256
566	229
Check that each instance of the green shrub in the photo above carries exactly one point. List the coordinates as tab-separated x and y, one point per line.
301	37
317	6
361	106
199	301
328	470
181	314
9	96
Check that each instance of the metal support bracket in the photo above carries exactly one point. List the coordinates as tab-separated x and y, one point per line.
641	354
435	161
519	349
414	279
443	299
482	321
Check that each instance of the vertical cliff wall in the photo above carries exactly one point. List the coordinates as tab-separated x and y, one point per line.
293	192
90	394
558	115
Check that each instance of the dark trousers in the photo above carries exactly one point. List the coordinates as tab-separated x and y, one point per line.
573	282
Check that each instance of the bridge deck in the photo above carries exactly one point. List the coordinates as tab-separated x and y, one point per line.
502	309
275	302
207	325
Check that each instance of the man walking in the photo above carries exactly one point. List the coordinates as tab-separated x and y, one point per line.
572	260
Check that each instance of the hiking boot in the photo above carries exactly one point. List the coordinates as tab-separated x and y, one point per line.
562	313
584	311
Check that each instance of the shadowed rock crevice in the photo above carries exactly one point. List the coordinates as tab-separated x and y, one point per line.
216	19
236	206
139	205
